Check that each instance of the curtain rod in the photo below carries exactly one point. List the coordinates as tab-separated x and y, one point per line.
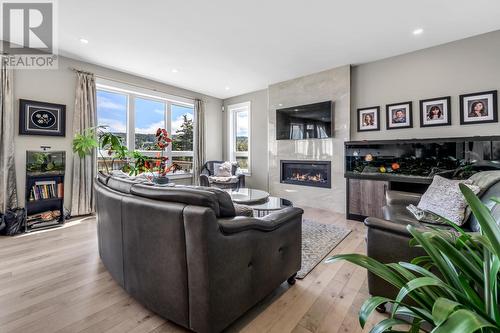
132	84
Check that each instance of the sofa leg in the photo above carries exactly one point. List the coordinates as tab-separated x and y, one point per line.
381	308
291	280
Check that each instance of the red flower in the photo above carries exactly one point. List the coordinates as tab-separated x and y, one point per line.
158	131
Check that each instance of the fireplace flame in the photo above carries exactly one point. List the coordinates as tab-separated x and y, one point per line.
307	177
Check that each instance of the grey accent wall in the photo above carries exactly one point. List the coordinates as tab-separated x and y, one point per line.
58	86
331	85
465	66
258	134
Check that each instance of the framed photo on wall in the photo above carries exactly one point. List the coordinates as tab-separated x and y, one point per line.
399	115
41	118
478	108
435	112
368	119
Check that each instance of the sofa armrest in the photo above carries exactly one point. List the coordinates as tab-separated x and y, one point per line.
267	223
241	180
204	180
402	198
387	226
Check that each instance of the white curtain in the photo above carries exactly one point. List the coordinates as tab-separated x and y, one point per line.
84	169
199	140
8	190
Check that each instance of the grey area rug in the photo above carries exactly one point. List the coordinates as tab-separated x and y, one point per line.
318	240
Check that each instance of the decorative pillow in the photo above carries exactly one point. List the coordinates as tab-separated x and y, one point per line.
223	170
443	198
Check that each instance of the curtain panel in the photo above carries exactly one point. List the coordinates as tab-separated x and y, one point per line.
84	169
199	141
8	189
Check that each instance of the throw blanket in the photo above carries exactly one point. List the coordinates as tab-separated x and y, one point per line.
215	179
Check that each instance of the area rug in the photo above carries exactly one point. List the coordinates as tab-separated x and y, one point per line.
318	240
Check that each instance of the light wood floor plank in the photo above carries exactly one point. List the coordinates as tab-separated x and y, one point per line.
53	281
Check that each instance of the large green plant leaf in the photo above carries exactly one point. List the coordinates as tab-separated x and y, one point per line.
483	215
463	321
386	324
368	306
442	309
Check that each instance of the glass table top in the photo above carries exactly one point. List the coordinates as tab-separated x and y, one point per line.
247	195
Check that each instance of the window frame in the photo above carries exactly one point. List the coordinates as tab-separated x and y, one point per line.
233	109
132	93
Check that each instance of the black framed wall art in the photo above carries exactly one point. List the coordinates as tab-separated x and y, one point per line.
369	119
41	118
435	112
399	115
478	108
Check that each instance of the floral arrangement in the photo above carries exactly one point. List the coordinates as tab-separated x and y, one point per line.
158	166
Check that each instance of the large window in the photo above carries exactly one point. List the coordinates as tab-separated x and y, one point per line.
239	135
136	114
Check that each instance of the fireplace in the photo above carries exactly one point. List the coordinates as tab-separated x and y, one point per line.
306	173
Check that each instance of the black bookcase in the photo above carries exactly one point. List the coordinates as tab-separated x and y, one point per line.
44	189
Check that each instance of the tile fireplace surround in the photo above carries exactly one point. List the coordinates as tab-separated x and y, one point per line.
331	85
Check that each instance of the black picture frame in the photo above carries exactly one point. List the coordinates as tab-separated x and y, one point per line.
492	105
375	109
388	119
41	118
423	112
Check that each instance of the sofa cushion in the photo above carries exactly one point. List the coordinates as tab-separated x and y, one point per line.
492	192
242	210
120	184
444	198
223	170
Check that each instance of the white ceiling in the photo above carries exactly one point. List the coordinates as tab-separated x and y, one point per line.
247	45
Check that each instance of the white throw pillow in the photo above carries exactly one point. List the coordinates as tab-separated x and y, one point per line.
223	170
443	197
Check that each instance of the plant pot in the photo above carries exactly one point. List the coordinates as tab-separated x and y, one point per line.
161	180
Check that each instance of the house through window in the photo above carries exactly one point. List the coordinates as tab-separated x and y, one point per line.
135	114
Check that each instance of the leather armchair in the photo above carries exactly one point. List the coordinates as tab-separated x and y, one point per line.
388	240
209	170
183	253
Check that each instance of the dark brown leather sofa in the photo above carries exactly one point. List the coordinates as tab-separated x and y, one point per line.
388	238
183	254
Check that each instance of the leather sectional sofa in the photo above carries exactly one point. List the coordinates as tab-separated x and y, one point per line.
183	253
388	239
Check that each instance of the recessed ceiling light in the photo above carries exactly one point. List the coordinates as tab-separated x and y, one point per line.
280	104
418	31
84	41
174	70
227	88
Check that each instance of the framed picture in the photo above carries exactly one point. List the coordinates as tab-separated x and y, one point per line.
368	119
399	115
40	118
435	112
478	108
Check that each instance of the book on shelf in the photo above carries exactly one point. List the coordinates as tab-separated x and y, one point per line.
47	189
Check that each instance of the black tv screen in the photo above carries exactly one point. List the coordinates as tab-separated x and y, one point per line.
313	121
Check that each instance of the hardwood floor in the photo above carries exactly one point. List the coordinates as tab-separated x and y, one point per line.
53	281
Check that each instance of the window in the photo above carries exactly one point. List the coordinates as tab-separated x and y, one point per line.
135	114
239	135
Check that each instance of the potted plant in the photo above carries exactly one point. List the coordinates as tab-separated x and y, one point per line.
97	137
454	288
158	167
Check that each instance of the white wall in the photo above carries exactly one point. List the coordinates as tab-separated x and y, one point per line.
465	66
258	136
58	86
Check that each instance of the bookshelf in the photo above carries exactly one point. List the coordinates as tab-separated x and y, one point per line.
44	189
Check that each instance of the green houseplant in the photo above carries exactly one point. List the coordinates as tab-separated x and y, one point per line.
97	137
453	288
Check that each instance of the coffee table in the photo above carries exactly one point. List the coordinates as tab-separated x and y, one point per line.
272	204
247	196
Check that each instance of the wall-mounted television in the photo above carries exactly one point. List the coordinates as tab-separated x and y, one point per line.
312	121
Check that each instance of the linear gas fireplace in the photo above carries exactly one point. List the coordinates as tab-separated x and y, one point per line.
306	173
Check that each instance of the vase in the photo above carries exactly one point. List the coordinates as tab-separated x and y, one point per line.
160	180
